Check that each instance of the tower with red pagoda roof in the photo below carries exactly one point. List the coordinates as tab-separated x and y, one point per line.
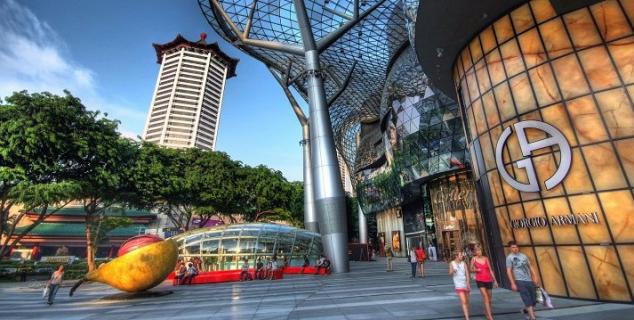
185	108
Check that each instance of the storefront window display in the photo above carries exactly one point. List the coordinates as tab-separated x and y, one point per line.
457	218
389	223
548	104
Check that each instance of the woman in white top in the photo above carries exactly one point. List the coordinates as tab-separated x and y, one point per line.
458	269
413	262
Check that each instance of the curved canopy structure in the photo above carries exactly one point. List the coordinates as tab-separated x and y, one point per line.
224	247
363	33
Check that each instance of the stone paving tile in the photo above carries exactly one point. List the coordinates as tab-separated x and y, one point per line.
367	292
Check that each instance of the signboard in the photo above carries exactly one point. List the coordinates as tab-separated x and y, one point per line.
556	138
59	259
561	220
396	241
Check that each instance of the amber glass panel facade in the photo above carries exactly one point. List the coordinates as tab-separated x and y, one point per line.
575	72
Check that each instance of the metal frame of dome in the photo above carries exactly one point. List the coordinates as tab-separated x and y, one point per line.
283	241
311	41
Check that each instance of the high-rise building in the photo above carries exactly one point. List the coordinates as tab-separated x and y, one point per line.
185	108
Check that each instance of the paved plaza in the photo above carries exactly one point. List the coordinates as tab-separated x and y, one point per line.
368	292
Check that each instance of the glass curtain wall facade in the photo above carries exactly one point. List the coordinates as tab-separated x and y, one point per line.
423	139
572	72
424	132
223	247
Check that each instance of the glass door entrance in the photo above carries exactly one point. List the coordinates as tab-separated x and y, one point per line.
450	243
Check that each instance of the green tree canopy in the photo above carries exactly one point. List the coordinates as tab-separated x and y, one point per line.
42	144
263	191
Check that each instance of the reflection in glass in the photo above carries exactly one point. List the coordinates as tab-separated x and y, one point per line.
249	241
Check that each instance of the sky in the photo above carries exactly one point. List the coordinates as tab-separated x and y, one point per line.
101	51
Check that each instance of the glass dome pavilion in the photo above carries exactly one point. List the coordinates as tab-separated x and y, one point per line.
223	247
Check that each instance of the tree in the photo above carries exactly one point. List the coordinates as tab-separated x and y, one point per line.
106	177
158	179
296	204
213	177
103	224
184	183
264	194
352	214
40	147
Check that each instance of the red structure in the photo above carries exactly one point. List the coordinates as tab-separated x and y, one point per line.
137	242
234	275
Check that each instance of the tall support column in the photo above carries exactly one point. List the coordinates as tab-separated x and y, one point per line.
363	226
310	214
330	200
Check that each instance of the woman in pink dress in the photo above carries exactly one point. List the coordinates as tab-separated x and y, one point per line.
485	279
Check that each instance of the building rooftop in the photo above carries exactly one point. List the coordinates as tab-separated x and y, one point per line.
114	212
180	41
54	229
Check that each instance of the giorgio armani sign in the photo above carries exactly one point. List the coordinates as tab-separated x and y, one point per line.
561	220
527	148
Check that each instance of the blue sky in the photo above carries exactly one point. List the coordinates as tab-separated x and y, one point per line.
102	52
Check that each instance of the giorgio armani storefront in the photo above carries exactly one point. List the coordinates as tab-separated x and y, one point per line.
546	90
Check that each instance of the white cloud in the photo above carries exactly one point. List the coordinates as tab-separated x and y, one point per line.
33	57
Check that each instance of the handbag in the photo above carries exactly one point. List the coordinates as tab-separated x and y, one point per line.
45	291
548	303
539	297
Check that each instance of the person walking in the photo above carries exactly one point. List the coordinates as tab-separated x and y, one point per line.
54	283
432	252
420	258
523	278
485	279
458	269
388	256
413	261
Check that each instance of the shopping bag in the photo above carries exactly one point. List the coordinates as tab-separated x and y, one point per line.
539	296
45	292
548	303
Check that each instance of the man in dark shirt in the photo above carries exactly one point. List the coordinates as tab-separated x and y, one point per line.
259	269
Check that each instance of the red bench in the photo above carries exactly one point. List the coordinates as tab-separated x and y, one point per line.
234	275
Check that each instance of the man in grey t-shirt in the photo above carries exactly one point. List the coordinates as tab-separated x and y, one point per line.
523	278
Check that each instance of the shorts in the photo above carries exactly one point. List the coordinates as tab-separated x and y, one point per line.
527	292
483	284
